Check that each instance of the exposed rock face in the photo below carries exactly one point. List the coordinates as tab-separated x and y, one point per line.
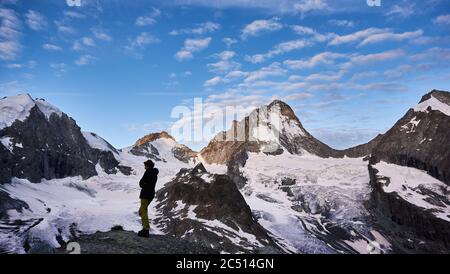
270	129
152	137
273	129
147	146
48	145
8	203
409	216
127	242
209	209
420	139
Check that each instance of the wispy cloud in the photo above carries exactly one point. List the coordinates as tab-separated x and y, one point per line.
443	19
30	64
324	58
74	14
306	6
224	64
375	35
229	41
279	49
258	27
149	19
191	46
342	23
356	36
85	60
200	29
391	36
213	81
316	36
403	10
59	68
51	47
10	34
35	20
137	44
63	27
101	34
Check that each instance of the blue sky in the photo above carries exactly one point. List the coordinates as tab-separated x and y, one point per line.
120	67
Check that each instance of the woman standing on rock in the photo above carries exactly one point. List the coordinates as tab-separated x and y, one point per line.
147	183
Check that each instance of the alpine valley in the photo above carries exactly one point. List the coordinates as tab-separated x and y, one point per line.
262	193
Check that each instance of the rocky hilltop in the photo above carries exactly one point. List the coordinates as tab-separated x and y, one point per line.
41	142
208	209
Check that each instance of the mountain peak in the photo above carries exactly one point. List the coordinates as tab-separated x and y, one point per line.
435	100
18	107
152	137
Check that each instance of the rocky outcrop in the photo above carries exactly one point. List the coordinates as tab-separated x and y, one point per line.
209	209
9	203
419	139
40	147
152	137
127	242
270	129
146	146
286	133
408	216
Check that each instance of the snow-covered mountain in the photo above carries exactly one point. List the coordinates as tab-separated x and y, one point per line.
317	199
39	141
44	210
410	170
269	185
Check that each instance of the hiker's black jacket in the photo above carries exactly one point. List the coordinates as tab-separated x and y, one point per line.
148	182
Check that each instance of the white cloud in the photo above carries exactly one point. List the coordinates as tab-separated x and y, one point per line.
183	55
51	47
191	46
225	64
362	60
63	27
356	36
59	68
375	35
101	34
10	34
305	6
137	44
273	69
279	49
213	81
35	20
149	19
203	28
324	58
443	19
229	41
87	41
74	14
258	27
390	36
30	64
404	10
342	23
84	60
318	37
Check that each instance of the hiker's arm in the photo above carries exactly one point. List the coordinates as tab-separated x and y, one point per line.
143	180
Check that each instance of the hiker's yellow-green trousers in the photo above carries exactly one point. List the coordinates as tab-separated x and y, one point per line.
143	212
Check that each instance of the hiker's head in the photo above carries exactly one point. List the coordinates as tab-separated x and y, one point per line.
149	164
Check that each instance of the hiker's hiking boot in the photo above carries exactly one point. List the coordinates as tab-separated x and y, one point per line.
144	233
